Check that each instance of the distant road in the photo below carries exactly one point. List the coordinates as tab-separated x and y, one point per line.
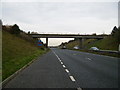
62	68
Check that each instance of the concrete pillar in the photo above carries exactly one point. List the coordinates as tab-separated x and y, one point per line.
46	42
81	41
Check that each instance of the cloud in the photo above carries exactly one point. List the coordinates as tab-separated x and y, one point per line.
60	0
62	17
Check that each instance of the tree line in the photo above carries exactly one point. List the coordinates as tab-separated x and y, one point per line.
15	30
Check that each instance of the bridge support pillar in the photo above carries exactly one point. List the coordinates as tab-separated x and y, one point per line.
81	41
46	42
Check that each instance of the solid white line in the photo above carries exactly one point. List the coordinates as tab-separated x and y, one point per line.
67	70
72	78
64	66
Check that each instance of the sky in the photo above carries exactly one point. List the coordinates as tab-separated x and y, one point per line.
61	16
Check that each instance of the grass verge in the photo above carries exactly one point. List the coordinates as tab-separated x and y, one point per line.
16	53
13	65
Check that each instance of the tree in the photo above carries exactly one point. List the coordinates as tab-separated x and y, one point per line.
115	29
28	32
94	34
34	33
0	24
118	35
15	29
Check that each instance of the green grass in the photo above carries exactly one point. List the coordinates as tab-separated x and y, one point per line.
72	44
108	43
16	53
76	43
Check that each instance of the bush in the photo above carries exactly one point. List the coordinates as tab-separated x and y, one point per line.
15	29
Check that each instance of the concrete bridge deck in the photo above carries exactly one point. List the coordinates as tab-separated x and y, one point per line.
68	36
81	37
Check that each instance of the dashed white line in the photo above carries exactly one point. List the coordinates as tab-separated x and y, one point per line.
61	62
88	58
67	70
72	78
79	88
57	56
64	66
74	54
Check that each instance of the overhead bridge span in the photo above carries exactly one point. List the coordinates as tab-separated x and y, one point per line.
81	37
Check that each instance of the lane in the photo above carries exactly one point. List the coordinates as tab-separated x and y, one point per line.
46	72
90	70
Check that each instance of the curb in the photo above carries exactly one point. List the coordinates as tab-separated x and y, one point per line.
17	72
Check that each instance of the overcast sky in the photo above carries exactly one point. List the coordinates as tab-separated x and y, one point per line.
61	16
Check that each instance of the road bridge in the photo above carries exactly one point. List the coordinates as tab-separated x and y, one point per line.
81	37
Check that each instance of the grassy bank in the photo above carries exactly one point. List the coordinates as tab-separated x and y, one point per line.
16	53
108	43
77	42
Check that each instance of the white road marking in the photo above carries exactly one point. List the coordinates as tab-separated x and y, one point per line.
88	58
74	54
79	88
57	56
61	62
64	66
72	78
67	70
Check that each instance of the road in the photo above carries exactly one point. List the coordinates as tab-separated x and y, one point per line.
62	68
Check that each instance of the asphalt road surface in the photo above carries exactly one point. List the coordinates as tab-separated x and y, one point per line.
62	68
